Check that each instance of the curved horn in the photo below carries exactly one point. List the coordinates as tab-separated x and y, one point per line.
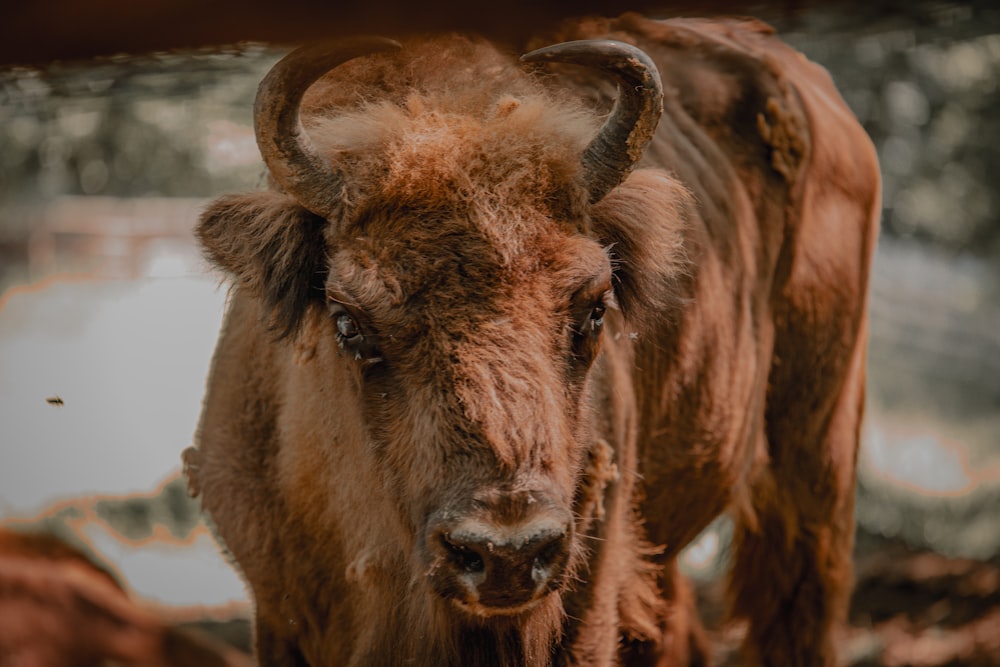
619	145
293	160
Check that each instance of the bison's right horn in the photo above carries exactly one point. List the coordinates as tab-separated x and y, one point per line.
619	145
297	167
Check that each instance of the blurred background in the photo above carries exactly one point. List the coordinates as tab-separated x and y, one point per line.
108	315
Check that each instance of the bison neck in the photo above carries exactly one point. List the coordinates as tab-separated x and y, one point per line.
505	644
445	638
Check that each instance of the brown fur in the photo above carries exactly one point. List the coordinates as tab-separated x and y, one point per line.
465	249
57	609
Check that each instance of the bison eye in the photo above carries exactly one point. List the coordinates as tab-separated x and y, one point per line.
350	337
347	328
590	307
597	317
587	330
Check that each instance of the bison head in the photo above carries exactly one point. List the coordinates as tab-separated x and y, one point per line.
446	244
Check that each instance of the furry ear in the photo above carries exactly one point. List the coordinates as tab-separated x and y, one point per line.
272	247
642	224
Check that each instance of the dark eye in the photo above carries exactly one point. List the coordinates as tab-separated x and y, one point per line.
347	327
597	317
350	338
587	330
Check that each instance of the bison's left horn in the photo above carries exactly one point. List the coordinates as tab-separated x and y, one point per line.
619	145
290	155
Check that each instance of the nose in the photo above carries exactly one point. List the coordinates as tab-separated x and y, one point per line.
499	567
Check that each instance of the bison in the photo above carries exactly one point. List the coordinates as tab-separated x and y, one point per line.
59	609
489	363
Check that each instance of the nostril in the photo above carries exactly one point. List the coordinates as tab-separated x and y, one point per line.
548	558
463	556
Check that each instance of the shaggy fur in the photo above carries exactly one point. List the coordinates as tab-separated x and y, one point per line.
731	271
58	609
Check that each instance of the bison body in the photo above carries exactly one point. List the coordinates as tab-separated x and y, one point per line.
475	393
59	609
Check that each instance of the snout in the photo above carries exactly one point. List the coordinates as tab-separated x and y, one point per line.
491	568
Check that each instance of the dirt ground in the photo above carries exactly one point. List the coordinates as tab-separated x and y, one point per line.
910	608
922	609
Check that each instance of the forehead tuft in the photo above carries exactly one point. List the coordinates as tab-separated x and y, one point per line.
472	127
429	158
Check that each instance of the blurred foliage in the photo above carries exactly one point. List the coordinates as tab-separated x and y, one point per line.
137	516
925	83
129	127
